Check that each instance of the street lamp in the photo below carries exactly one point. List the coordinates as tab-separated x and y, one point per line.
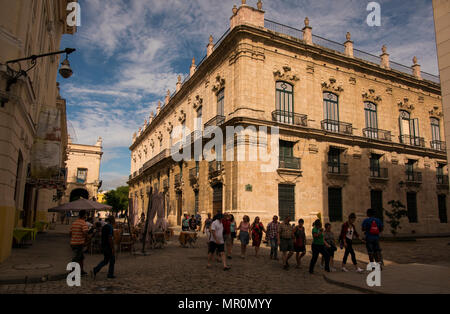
14	75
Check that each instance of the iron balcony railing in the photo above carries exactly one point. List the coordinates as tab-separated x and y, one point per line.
413	176
377	172
290	163
377	134
412	140
216	121
438	145
337	168
337	127
141	170
215	168
290	118
163	154
442	179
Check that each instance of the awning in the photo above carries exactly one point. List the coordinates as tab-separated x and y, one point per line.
81	204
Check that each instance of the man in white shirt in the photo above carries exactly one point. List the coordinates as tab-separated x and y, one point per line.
216	242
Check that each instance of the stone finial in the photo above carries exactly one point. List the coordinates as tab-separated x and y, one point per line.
416	69
259	5
158	109
244	2
134	135
167	97
179	83
152	115
348	45
193	67
234	10
384	58
307	32
210	46
99	141
247	14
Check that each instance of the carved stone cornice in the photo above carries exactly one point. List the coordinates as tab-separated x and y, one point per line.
218	84
286	75
332	86
370	96
405	105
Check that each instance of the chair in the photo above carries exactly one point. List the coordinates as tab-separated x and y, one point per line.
126	240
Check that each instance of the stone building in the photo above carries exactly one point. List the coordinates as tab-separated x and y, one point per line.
32	115
355	131
83	171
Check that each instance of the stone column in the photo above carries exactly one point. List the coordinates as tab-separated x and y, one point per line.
416	69
210	46
384	58
307	32
348	46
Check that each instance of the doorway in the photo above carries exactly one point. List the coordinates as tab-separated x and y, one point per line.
217	198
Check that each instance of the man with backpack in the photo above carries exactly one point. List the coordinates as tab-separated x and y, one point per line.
372	227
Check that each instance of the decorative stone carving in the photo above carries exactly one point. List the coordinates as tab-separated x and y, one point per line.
182	116
313	149
286	75
169	127
219	84
405	105
352	80
389	90
436	113
310	68
152	143
198	101
160	136
370	96
332	86
421	99
259	5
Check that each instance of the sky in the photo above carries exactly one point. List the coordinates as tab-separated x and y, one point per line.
130	52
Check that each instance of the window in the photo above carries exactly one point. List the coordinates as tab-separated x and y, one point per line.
370	112
18	176
286	201
441	178
442	203
197	168
81	175
287	159
375	171
284	101
411	201
334	160
409	129
196	203
335	204
331	111
220	102
376	203
436	135
410	173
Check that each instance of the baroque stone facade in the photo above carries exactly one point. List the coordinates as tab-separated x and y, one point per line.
353	134
33	129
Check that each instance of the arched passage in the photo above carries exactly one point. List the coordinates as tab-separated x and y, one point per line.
78	193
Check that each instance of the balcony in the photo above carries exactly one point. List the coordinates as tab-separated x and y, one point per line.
162	155
141	170
438	145
377	134
216	121
337	127
379	173
412	140
178	181
442	180
215	169
193	175
413	177
290	163
337	168
290	118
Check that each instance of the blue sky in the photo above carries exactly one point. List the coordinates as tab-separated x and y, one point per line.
129	52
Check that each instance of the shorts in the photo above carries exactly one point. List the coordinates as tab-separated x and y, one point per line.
373	246
227	238
286	245
330	251
213	247
244	237
300	249
78	253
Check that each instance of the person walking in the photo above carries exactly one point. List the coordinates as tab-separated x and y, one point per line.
244	237
78	235
185	223
216	242
372	227
286	240
272	235
257	230
299	242
329	238
348	233
107	248
198	220
318	247
226	221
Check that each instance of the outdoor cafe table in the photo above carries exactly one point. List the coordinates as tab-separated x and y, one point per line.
20	233
187	237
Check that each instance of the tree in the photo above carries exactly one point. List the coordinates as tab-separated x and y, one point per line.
118	199
395	215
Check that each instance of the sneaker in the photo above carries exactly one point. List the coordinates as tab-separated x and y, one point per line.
332	269
359	270
111	277
345	270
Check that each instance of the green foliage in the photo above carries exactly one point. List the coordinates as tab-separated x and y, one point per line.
398	211
118	199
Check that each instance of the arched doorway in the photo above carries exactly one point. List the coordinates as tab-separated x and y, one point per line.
217	198
78	193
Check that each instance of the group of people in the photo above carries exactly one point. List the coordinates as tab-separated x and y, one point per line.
80	233
192	223
221	231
